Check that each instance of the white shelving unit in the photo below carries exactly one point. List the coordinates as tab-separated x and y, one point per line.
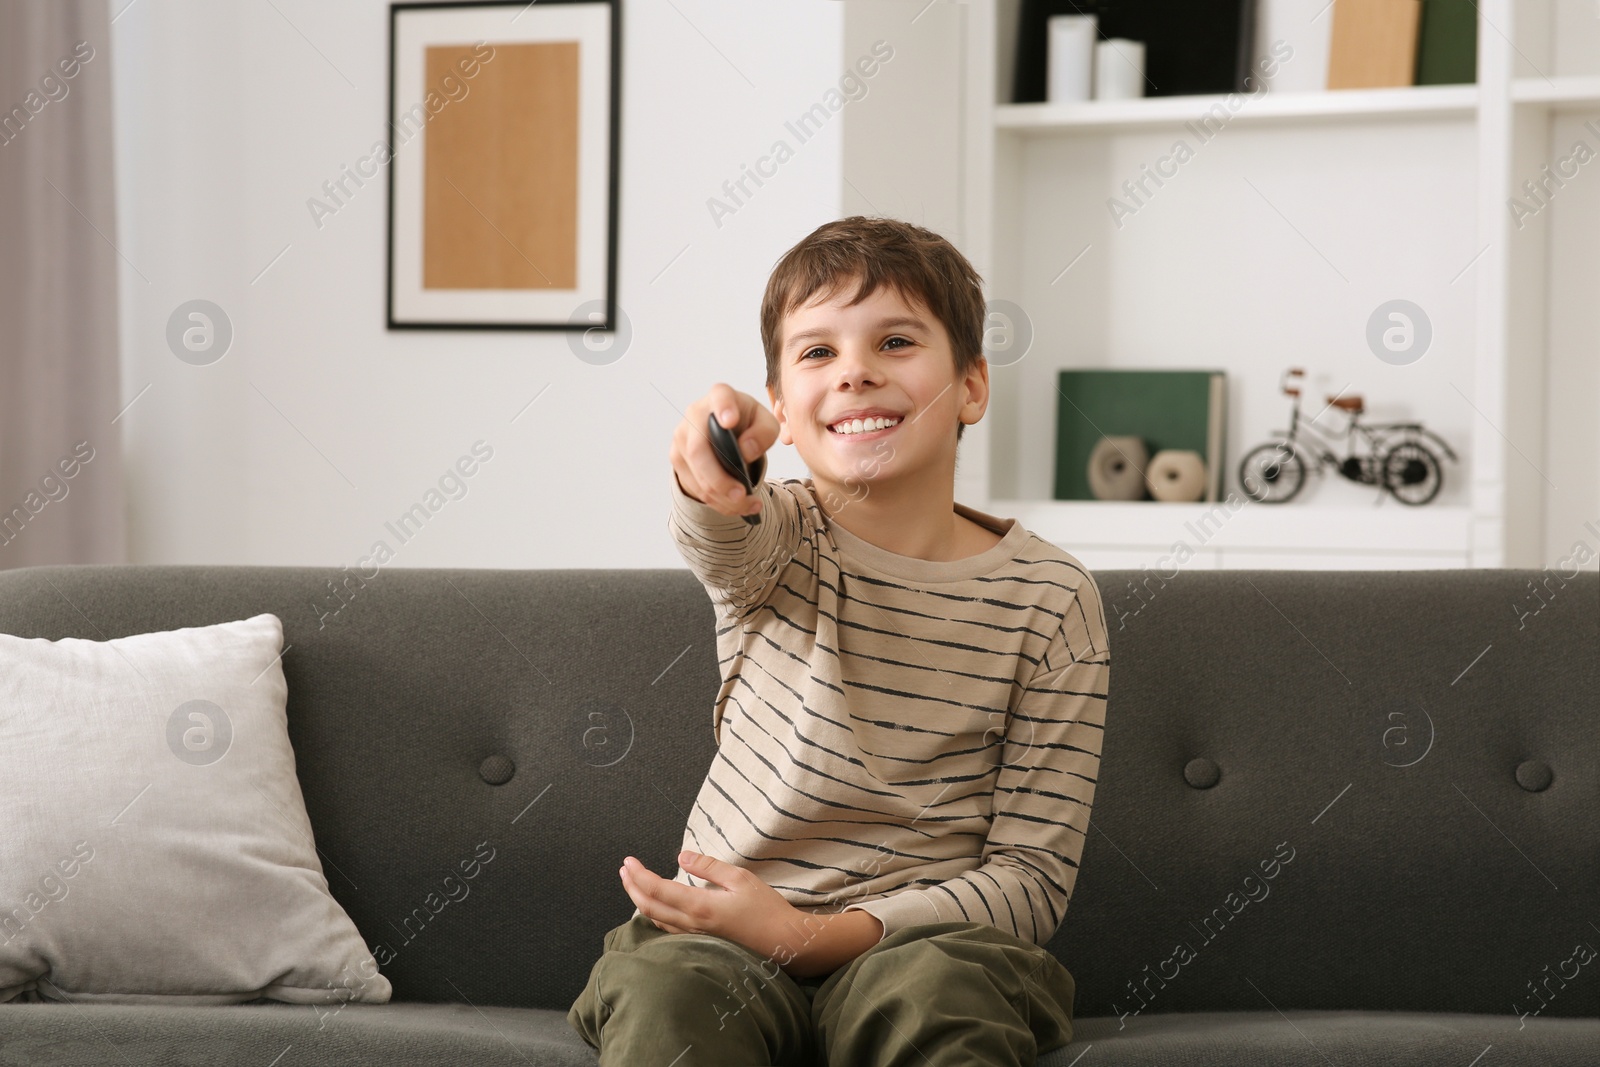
1547	322
1110	115
1271	246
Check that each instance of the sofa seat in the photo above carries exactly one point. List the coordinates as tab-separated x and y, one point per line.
1339	1038
439	1035
288	1035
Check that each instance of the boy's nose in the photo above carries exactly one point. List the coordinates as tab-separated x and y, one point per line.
857	370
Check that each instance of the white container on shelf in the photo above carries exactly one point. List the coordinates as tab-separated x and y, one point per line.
1118	69
1071	57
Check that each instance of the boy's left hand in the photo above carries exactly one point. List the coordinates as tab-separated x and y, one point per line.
745	910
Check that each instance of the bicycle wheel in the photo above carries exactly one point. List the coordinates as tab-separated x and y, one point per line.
1412	473
1272	473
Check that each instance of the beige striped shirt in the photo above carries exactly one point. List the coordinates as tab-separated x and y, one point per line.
918	739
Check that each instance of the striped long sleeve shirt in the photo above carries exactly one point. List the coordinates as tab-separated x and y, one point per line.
914	738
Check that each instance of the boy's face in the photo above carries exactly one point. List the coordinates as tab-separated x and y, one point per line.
880	354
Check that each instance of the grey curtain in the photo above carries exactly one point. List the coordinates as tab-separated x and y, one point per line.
61	478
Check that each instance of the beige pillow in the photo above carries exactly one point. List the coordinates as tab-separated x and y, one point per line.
154	844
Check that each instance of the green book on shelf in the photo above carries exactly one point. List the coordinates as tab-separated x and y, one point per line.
1179	409
1447	43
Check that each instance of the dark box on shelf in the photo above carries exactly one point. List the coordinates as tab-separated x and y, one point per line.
1178	409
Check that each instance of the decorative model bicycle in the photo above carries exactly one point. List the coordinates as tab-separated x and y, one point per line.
1395	456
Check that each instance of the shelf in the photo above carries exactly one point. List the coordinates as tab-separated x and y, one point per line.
1402	191
1388	528
1562	93
1417	101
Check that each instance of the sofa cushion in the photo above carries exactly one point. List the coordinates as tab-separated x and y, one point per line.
394	1035
154	844
444	1035
1319	1038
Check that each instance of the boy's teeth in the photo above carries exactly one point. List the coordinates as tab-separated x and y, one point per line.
863	425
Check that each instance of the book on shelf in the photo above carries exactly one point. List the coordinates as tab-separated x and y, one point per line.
1191	46
1176	409
1447	43
1373	43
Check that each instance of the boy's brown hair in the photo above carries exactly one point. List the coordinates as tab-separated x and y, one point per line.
922	266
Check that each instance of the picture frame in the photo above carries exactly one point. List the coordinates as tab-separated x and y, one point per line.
503	164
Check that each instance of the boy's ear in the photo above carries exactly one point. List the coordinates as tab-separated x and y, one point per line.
977	384
778	412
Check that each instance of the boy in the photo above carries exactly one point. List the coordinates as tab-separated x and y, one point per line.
909	725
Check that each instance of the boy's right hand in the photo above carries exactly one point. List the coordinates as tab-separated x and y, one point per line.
694	461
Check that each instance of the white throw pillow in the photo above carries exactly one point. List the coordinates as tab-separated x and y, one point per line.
154	843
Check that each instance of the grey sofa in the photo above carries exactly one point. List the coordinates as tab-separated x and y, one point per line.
1344	817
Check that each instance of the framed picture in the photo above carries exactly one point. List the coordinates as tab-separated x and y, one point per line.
503	118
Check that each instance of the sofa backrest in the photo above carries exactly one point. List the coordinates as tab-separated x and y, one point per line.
1319	789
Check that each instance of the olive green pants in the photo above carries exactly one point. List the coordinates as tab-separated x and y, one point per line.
936	994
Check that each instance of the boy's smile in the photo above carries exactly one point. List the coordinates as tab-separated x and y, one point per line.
891	484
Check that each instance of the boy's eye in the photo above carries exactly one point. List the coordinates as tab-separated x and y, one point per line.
807	354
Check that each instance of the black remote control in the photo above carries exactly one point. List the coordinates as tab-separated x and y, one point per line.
726	445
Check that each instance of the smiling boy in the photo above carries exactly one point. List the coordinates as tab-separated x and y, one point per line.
910	718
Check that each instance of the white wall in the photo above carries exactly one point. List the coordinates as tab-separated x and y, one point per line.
903	142
319	424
